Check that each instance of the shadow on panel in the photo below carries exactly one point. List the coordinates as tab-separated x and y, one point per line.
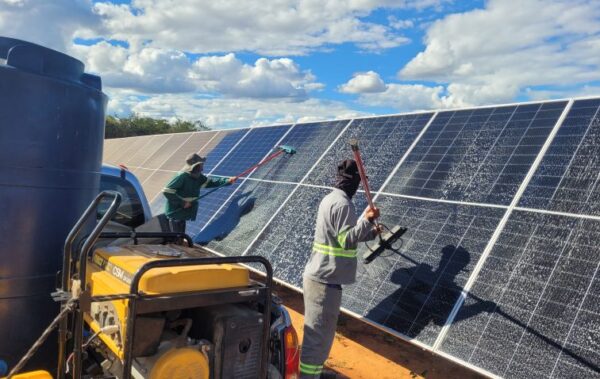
425	294
228	220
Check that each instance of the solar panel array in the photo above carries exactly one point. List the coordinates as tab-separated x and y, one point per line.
499	267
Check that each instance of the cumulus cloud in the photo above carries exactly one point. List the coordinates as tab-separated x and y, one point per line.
408	97
284	27
265	79
502	51
365	82
224	112
149	70
154	70
49	23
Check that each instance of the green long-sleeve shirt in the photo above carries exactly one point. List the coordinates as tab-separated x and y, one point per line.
184	187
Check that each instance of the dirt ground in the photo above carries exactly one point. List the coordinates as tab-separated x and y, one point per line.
362	351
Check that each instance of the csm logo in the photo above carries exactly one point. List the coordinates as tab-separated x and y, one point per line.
118	272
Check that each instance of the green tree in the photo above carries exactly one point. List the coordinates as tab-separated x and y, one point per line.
136	125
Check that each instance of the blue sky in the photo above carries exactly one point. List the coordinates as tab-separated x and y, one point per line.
236	64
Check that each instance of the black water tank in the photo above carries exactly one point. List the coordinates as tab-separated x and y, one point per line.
51	133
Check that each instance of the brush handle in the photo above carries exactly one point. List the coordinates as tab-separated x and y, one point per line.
361	171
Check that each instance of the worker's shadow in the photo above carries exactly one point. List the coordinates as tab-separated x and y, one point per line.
222	225
426	295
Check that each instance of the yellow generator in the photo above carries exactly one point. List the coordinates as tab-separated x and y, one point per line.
182	320
161	310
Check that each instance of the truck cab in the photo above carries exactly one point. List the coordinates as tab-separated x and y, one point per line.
135	212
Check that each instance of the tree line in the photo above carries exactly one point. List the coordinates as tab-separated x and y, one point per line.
136	125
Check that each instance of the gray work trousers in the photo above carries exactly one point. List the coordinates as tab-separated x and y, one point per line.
321	310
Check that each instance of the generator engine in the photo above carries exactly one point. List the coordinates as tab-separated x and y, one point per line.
172	339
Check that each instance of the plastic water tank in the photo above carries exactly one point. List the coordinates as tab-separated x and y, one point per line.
51	133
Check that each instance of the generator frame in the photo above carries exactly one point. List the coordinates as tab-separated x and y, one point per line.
140	303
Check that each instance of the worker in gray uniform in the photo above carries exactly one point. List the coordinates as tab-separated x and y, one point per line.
332	264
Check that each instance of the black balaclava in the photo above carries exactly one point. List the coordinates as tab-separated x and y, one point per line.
348	178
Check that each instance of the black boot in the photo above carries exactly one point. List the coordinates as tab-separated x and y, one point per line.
328	374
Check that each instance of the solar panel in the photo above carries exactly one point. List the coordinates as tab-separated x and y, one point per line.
537	301
130	147
568	176
413	291
207	206
155	183
453	178
111	147
212	143
137	158
476	155
251	150
289	251
244	215
227	139
383	141
170	145
142	173
194	144
310	141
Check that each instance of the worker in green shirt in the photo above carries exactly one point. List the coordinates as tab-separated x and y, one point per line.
183	190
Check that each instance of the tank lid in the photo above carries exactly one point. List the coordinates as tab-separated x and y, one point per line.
41	60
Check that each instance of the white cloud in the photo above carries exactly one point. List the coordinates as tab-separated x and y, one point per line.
149	70
153	70
365	82
400	24
495	54
284	27
225	112
52	24
408	97
266	79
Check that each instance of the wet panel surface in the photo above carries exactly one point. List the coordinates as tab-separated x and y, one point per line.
539	288
568	177
310	141
476	155
208	204
382	141
243	217
287	241
413	289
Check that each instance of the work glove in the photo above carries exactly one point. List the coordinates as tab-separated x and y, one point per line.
371	214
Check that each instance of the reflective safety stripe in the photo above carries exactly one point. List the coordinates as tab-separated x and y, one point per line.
341	238
305	368
169	190
188	199
335	251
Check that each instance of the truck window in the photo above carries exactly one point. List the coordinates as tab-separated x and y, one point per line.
130	212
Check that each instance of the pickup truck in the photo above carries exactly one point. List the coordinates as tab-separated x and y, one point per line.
135	212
